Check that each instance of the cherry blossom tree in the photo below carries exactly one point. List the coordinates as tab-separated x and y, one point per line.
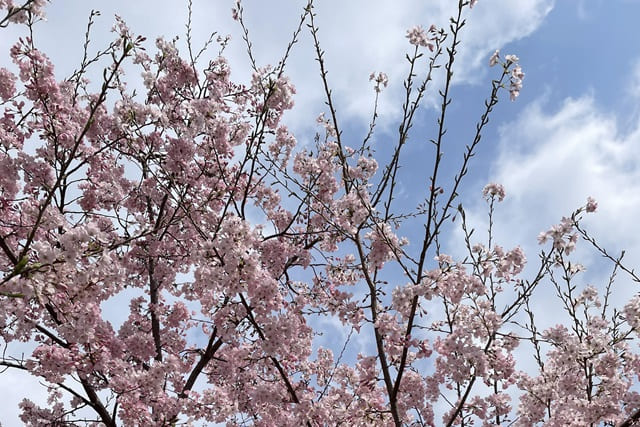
229	240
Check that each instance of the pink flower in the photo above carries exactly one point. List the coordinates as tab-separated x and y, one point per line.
562	236
20	13
494	58
511	59
7	84
492	190
235	11
380	79
418	37
517	73
516	81
592	205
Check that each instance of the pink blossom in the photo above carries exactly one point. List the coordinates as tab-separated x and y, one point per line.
562	235
7	84
511	59
19	13
381	80
494	58
418	36
235	11
516	82
493	190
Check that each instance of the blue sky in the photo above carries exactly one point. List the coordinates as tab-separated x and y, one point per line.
573	132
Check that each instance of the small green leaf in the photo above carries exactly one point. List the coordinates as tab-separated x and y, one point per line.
12	294
21	265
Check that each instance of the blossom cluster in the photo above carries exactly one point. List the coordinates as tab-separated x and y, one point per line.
381	80
418	36
516	75
19	13
493	190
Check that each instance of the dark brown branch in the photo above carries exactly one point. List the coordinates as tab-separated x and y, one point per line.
212	347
